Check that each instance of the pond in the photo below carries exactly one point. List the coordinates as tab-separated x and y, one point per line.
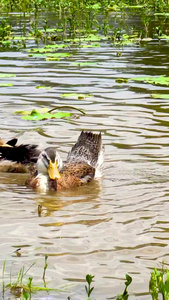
113	226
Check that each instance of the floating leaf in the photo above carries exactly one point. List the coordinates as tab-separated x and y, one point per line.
6	84
83	64
54	55
4	75
21	38
50	30
55	46
43	87
74	95
6	43
48	48
89	38
159	81
36	116
121	80
159	96
52	58
164	36
25	112
51	55
90	45
45	113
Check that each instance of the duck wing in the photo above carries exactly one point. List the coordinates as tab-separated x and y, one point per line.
80	170
75	174
88	149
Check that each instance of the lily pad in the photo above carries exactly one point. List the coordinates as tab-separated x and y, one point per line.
43	87
121	80
45	113
83	64
74	95
89	38
90	45
164	37
4	75
48	48
6	84
52	58
126	40
51	55
160	96
21	38
35	115
159	81
26	112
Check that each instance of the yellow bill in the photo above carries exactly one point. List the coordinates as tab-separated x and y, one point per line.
53	171
3	144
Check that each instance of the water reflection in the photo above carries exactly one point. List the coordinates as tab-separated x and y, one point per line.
88	194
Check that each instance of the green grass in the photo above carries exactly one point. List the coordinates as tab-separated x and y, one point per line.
22	285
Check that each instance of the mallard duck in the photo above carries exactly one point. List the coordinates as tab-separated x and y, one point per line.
19	159
81	166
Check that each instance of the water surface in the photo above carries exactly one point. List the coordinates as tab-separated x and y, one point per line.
113	226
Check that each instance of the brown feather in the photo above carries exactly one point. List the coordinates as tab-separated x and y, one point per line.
78	169
72	175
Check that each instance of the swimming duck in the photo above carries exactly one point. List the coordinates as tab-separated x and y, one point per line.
81	166
17	159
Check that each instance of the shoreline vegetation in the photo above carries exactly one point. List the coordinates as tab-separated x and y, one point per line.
83	23
34	5
23	287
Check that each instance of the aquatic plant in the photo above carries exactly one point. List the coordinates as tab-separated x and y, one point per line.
125	294
159	284
5	75
45	113
76	96
19	288
5	29
155	80
23	287
88	288
160	96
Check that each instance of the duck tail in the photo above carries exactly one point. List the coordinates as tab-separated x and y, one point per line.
88	149
24	154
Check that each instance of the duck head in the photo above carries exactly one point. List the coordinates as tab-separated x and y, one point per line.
49	163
